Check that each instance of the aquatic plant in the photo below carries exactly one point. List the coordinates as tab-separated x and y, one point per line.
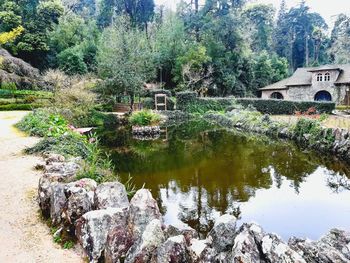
144	118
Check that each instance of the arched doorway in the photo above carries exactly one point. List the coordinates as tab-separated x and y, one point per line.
277	96
323	96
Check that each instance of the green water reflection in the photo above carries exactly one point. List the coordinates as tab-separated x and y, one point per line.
197	172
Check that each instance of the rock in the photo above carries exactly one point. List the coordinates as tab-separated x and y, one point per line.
57	203
200	251
275	250
119	241
185	230
223	233
44	194
67	170
80	198
143	209
173	250
15	70
93	227
54	158
338	239
145	249
312	252
111	195
333	247
246	244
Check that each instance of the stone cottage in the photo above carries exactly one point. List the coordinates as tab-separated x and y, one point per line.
324	83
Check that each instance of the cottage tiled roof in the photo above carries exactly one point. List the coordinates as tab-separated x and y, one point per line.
303	77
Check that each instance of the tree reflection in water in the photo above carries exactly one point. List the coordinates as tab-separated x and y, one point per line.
200	173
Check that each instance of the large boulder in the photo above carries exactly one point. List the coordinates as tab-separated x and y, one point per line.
53	158
67	170
145	249
223	233
275	250
80	198
58	202
246	246
200	251
333	247
15	70
185	230
143	209
119	241
44	194
111	195
93	227
173	250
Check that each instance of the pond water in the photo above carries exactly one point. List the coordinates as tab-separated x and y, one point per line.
197	172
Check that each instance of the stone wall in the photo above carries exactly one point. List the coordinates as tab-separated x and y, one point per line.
112	229
266	94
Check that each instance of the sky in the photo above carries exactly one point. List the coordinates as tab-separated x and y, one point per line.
327	8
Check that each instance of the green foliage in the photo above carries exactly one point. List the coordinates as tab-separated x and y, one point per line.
68	244
14	93
311	132
124	61
71	61
188	101
286	107
144	118
20	106
43	123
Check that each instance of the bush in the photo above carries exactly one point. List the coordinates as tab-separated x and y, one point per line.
43	123
144	118
149	104
7	93
25	107
150	93
188	101
72	62
286	106
185	99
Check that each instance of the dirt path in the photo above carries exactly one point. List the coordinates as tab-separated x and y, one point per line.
23	236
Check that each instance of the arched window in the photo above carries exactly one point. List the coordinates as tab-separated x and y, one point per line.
323	96
327	77
319	77
277	96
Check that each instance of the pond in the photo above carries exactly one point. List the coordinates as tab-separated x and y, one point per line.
197	172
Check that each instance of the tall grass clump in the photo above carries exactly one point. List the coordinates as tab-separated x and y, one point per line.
144	118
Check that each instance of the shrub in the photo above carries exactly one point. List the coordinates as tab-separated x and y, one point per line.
313	131
286	107
144	118
188	101
184	99
72	62
25	107
43	123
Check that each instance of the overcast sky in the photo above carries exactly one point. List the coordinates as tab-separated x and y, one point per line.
327	8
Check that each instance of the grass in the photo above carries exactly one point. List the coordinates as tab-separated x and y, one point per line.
57	138
144	118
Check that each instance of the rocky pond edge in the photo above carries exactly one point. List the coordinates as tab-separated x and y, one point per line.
110	228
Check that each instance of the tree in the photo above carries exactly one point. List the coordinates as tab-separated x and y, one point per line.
37	18
340	40
260	17
125	60
7	37
170	43
71	62
299	24
140	12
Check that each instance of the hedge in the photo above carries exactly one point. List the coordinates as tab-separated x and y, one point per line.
11	107
5	93
188	101
286	106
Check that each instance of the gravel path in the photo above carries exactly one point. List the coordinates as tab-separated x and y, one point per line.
23	236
